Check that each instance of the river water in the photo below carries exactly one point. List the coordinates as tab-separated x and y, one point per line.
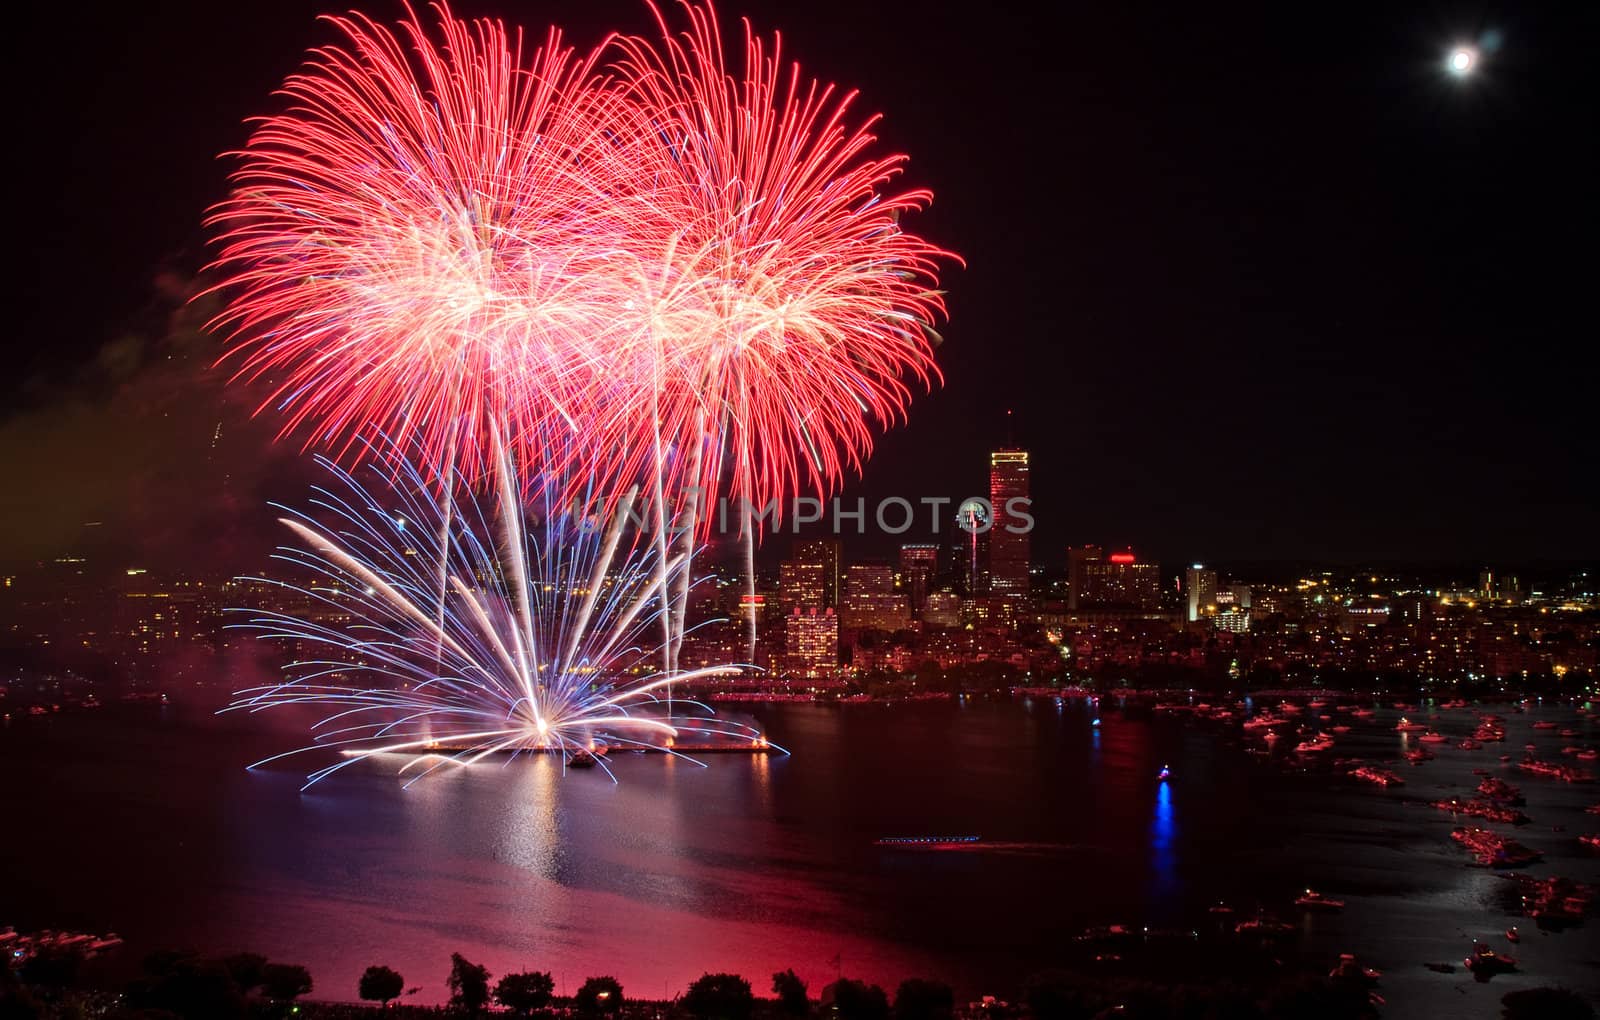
148	824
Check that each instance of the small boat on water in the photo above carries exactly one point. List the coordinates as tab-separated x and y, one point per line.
1484	960
1512	935
1377	776
1263	926
1407	726
1313	900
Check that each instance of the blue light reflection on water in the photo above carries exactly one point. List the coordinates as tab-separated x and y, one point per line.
1163	842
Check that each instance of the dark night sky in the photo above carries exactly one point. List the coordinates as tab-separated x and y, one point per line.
1257	279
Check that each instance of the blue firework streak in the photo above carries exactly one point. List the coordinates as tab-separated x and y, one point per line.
428	639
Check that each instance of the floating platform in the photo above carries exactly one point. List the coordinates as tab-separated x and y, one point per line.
610	752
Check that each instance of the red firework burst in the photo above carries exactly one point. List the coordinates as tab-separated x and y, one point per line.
785	312
411	244
667	274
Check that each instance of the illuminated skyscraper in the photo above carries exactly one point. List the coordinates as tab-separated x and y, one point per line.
870	601
919	564
1199	589
1009	544
810	577
943	609
1077	557
811	641
1120	581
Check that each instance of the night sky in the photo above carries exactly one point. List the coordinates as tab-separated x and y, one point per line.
1259	281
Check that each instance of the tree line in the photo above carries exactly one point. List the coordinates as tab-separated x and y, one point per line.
247	986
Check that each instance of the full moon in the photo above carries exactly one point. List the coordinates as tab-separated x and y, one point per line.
1463	59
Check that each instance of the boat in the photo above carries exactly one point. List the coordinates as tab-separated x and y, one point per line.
583	760
1544	724
1554	902
1469	744
1265	720
1313	900
1263	926
1349	969
1488	810
1512	935
1491	851
1377	776
1590	840
1484	960
1164	774
1107	932
1555	770
1221	909
1407	726
1588	754
1418	755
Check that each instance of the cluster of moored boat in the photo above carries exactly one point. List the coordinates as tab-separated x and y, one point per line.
1554	769
1376	776
1481	807
1491	850
1554	902
1500	790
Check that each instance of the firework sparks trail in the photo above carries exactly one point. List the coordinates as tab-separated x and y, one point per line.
537	646
652	266
782	310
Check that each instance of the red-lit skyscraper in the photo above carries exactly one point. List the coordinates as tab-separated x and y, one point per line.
919	565
1009	540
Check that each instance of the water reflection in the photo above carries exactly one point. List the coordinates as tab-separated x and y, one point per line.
1163	843
530	830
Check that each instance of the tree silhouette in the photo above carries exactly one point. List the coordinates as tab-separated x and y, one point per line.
856	1000
600	996
791	993
719	997
469	984
380	984
523	993
285	982
917	999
